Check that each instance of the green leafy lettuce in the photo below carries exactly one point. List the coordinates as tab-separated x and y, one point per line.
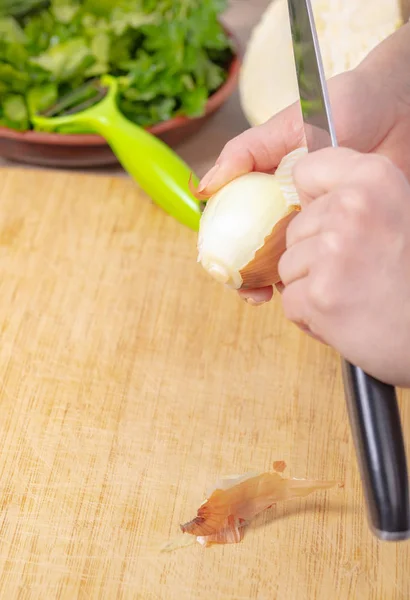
169	55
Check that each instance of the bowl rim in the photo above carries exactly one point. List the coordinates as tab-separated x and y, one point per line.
69	139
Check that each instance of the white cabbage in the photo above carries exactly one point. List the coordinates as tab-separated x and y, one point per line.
348	30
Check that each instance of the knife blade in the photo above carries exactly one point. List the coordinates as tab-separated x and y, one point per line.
372	405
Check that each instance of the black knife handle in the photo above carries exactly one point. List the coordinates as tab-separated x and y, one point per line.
376	426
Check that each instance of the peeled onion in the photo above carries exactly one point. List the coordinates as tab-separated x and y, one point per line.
242	232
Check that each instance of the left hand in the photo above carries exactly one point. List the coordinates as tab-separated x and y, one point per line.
346	270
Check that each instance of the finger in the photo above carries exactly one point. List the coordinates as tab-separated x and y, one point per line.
312	220
257	296
320	172
295	303
296	308
299	259
306	330
258	149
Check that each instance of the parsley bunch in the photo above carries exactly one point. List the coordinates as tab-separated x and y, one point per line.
169	55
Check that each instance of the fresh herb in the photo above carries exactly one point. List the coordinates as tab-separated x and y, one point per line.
169	55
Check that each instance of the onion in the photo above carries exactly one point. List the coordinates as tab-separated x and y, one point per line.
242	232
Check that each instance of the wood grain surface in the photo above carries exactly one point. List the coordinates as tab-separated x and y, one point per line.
129	382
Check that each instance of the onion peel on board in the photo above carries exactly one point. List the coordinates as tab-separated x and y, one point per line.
222	518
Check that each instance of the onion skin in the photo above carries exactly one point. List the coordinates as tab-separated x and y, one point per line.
262	271
247	499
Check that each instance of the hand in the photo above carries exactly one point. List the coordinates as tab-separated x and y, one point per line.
371	109
346	270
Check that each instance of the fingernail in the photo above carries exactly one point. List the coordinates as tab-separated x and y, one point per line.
206	179
254	302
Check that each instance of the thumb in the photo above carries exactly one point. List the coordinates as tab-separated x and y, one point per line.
258	149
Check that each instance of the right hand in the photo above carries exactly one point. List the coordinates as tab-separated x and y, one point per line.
371	110
347	263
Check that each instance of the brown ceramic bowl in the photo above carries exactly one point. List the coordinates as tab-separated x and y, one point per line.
82	151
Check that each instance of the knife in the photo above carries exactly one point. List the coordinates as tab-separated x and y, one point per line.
372	405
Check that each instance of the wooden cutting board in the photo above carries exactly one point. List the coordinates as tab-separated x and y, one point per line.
129	383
